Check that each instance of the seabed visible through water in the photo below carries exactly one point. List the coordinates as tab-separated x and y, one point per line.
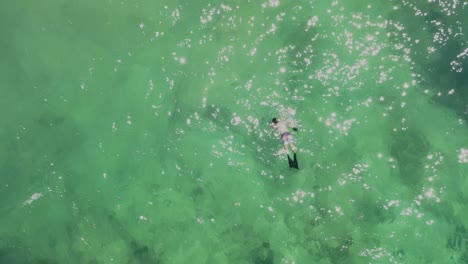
139	131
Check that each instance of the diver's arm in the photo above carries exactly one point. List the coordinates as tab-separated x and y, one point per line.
291	126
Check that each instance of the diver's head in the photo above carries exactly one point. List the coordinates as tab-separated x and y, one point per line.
274	120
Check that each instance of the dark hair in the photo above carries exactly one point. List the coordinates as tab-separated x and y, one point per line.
274	120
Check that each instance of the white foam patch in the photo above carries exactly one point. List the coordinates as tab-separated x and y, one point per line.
236	120
33	198
274	3
463	156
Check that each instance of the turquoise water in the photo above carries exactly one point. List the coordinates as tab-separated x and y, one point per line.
138	131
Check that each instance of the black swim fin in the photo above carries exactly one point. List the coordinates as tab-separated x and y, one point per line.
295	164
291	162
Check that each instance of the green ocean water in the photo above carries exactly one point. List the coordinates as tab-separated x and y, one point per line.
138	131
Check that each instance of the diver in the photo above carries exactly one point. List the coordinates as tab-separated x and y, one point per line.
287	139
